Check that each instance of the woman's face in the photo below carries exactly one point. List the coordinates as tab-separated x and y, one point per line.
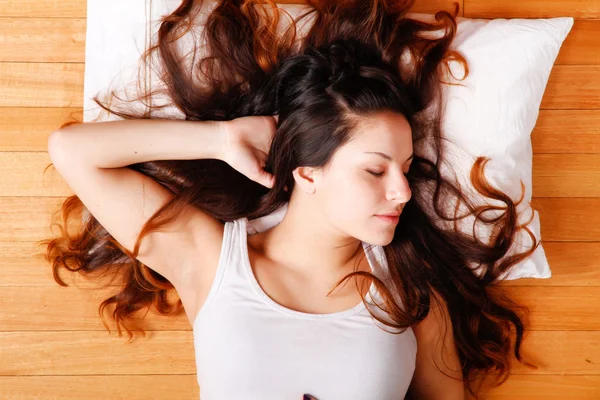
366	178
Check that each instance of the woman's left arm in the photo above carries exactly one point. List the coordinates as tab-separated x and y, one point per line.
436	348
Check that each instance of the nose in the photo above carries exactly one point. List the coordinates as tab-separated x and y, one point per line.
399	190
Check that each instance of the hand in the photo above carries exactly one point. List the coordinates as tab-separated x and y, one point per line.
247	141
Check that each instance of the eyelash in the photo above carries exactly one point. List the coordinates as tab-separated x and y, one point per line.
378	174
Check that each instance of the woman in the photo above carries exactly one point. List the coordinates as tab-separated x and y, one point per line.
344	137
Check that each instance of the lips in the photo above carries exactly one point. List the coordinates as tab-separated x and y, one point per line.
393	215
393	219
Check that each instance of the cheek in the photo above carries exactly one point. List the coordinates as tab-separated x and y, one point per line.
352	198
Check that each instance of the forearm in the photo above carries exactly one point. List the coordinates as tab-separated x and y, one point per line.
115	144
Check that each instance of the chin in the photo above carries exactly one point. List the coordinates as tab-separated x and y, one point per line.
386	242
376	235
381	239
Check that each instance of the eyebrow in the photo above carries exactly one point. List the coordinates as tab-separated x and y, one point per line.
386	156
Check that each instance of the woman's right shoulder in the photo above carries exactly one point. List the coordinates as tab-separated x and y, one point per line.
207	239
210	241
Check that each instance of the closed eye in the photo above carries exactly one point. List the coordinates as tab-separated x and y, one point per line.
375	173
379	174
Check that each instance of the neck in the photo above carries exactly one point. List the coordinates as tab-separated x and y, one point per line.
309	244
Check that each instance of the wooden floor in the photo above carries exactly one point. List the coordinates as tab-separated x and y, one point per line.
52	343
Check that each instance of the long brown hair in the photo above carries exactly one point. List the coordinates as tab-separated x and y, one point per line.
349	63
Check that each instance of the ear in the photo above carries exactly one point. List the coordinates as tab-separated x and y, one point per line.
305	178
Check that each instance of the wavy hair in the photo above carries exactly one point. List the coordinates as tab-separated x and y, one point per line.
350	62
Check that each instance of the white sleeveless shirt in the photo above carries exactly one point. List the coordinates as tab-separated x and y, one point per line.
248	347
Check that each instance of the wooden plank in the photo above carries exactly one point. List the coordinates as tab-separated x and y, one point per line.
41	85
569	219
566	175
532	9
554	175
20	132
78	8
582	45
63	40
543	387
28	39
27	219
573	87
517	387
572	264
560	352
45	308
30	181
23	264
96	353
131	387
61	85
44	8
59	308
564	308
42	39
567	132
98	387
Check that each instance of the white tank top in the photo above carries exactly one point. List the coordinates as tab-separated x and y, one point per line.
249	347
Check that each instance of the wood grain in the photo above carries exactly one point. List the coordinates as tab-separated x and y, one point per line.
80	313
78	8
28	128
573	87
99	387
580	9
41	85
554	175
566	132
43	8
61	85
45	40
63	40
144	387
52	336
28	218
572	264
568	219
556	131
97	353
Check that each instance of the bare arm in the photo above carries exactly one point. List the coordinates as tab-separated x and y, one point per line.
115	144
436	348
91	158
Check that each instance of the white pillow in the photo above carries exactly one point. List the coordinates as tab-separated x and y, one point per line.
492	114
